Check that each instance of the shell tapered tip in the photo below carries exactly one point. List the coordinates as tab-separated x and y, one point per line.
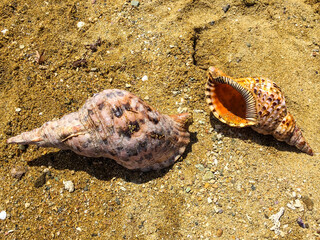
17	140
25	138
298	140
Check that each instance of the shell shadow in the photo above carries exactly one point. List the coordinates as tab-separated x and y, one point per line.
102	168
249	134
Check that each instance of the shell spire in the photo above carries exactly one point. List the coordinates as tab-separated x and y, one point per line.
255	102
117	125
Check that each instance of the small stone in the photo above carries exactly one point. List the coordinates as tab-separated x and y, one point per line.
80	25
175	93
18	109
199	167
4	31
212	23
68	185
290	205
249	3
135	3
308	202
219	232
40	181
208	176
21	46
209	200
18	172
226	8
144	78
26	205
128	85
297	203
3	215
188	189
302	224
219	136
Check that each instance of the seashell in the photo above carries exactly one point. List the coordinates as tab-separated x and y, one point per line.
118	125
255	102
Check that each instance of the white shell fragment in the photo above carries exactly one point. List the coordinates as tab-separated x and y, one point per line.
68	185
3	215
80	24
4	31
144	78
275	218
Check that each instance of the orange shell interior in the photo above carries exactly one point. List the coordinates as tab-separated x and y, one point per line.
229	105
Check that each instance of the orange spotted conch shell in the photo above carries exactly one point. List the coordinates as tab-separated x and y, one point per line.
255	102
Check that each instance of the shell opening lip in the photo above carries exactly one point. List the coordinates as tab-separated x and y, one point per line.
231	103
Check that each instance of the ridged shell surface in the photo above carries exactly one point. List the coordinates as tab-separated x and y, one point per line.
118	125
256	102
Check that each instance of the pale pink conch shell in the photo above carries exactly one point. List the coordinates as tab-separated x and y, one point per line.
118	125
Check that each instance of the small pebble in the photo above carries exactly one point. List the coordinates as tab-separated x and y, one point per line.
208	176
209	200
144	78
18	172
249	3
3	215
80	24
199	167
188	189
4	31
68	185
308	202
301	223
135	3
219	232
40	181
22	147
290	205
297	203
226	8
18	109
128	85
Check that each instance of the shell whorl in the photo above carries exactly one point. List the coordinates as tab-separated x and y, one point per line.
255	102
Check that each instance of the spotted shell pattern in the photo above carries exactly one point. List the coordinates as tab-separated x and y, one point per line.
118	125
256	102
